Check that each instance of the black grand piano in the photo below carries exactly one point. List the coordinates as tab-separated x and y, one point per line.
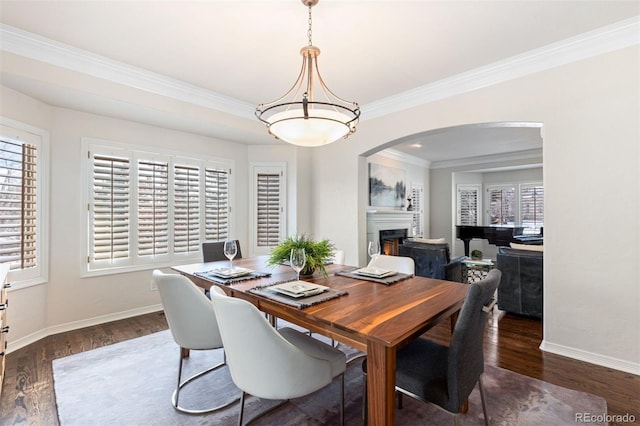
497	235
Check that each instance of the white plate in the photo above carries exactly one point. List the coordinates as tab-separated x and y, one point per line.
230	273
299	289
375	272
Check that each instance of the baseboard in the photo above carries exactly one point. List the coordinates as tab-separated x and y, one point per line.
592	358
14	345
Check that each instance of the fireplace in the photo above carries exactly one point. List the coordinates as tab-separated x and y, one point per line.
390	239
395	225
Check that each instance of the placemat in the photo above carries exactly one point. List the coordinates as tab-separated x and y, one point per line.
208	275
301	303
386	281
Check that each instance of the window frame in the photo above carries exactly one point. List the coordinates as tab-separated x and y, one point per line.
478	212
270	168
137	261
18	131
536	229
514	203
417	208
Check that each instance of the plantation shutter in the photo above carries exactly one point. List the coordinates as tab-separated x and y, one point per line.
532	207
468	205
502	205
111	198
268	209
18	204
417	207
216	204
153	208
186	209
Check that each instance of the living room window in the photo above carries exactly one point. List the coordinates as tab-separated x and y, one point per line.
502	205
468	205
516	205
532	207
417	207
23	202
151	208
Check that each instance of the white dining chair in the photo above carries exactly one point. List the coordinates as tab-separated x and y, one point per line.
269	363
401	264
193	325
338	257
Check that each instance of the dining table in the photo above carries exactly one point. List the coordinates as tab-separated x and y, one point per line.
374	317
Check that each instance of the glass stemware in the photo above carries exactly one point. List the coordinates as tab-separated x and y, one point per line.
298	259
230	250
374	252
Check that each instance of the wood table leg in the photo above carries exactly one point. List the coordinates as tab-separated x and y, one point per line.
381	384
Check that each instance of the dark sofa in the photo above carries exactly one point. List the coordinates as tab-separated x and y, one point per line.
520	289
430	259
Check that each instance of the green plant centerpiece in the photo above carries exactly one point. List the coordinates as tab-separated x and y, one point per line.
476	255
318	253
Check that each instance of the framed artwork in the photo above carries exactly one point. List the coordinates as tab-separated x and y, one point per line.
387	186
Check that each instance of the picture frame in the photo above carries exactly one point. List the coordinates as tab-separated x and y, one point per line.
387	186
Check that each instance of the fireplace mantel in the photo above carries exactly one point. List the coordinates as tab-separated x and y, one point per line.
382	220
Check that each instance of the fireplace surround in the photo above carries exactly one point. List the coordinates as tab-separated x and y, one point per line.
391	225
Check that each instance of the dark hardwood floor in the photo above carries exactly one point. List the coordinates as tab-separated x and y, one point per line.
511	342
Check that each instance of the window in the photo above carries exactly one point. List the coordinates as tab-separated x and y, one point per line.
502	205
468	204
417	207
268	206
517	205
532	207
152	208
23	202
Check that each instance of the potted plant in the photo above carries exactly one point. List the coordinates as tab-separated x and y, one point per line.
476	255
318	253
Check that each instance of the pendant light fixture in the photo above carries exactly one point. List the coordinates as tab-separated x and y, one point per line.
309	114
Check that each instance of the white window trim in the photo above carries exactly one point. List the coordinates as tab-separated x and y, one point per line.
40	137
469	187
134	153
418	210
254	167
487	202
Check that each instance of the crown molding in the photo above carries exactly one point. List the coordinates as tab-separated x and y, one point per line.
603	40
606	39
486	159
401	156
45	50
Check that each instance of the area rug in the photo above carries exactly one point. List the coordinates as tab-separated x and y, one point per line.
132	382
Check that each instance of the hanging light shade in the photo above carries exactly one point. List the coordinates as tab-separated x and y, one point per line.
309	114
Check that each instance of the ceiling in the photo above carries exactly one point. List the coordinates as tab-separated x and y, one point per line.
138	59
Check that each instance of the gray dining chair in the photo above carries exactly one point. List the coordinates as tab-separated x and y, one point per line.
273	364
214	251
446	375
193	325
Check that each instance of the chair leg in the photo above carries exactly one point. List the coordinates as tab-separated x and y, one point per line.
484	401
177	392
342	399
241	408
181	384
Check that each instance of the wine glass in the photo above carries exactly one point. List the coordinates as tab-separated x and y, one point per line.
298	259
230	250
374	251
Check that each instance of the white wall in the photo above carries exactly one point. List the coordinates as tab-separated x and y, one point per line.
591	116
68	301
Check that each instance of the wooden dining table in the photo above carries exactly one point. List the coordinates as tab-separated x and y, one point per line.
372	317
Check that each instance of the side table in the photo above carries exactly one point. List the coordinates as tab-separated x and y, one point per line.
475	270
